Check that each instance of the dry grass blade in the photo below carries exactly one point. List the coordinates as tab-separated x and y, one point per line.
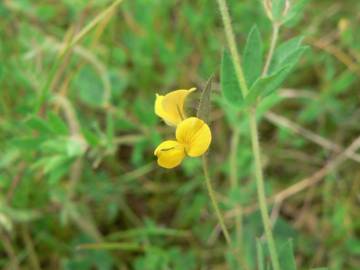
279	120
306	182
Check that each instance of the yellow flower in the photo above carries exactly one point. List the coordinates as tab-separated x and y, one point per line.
193	137
171	106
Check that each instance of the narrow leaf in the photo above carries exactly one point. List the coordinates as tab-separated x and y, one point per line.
38	124
203	111
57	124
283	51
266	85
295	12
286	255
253	56
229	83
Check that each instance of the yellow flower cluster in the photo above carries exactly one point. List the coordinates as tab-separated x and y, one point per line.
193	135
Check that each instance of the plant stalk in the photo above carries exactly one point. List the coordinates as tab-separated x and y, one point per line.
253	133
234	182
261	190
215	203
239	254
274	38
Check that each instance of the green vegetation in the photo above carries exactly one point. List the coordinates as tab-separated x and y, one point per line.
79	184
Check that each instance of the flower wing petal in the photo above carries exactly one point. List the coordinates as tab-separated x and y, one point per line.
171	106
170	154
195	135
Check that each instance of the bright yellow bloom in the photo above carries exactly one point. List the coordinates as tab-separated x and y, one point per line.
170	154
193	137
171	106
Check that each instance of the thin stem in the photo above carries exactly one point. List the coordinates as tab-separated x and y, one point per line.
234	185
261	191
253	132
234	182
215	203
10	251
33	258
274	38
232	46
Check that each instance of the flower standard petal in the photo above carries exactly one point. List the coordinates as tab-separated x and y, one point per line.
170	154
195	135
171	106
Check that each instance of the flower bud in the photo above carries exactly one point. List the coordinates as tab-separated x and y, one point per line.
277	10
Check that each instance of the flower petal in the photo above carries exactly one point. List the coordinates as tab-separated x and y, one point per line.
195	135
171	106
170	154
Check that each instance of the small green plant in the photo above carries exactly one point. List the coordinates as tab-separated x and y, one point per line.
245	82
255	170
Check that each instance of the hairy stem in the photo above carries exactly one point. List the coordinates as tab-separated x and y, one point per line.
215	203
253	133
234	182
234	185
274	38
261	191
232	46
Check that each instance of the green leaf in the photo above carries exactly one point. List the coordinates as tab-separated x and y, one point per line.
141	107
229	82
283	52
53	162
253	56
295	12
90	137
291	59
266	85
27	143
286	256
57	124
203	111
89	87
38	124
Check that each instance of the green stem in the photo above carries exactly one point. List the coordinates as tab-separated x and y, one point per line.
261	191
234	185
215	203
274	38
234	182
253	133
232	46
220	217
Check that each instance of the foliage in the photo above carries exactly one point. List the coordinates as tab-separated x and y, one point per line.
79	184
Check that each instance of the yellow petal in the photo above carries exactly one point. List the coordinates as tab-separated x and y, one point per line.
171	106
195	135
170	154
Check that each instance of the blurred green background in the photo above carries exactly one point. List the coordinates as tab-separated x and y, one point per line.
79	185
